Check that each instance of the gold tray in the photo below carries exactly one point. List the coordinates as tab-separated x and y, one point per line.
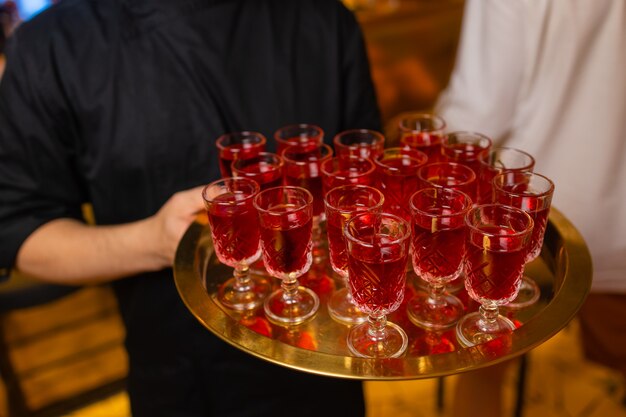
563	272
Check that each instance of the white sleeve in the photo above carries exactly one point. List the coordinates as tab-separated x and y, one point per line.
484	86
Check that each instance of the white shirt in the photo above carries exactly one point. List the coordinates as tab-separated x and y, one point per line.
549	77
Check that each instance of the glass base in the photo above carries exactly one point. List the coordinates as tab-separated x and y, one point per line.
283	311
362	343
244	298
432	314
342	309
473	329
528	294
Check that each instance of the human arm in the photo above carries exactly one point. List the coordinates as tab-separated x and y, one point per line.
68	251
489	70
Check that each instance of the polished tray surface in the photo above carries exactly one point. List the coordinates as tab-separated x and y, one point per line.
563	272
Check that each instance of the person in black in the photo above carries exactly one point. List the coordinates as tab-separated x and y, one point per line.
118	103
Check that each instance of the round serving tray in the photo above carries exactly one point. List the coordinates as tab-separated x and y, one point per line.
563	272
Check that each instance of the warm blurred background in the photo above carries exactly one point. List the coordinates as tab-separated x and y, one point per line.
61	351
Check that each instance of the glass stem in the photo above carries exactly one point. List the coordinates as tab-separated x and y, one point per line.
488	317
243	282
376	328
290	289
436	294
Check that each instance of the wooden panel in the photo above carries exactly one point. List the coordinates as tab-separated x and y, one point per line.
66	345
82	305
66	348
75	378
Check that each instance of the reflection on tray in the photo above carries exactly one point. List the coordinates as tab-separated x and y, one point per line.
324	334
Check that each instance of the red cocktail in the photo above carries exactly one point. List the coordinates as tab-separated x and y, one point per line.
497	241
347	170
287	237
438	245
422	132
303	134
303	169
342	203
238	145
532	193
448	175
363	143
235	232
396	177
464	148
499	160
285	216
266	169
378	248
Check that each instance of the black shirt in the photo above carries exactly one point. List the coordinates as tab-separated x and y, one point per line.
118	103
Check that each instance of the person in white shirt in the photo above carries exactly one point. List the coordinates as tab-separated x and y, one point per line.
549	77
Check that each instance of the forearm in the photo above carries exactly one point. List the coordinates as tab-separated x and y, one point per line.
67	251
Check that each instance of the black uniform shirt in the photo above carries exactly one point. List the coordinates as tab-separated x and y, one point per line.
118	103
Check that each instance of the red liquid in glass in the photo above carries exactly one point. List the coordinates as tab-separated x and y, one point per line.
398	188
286	242
459	184
337	246
428	143
313	184
537	209
463	153
345	177
437	256
377	277
307	143
363	150
492	275
238	151
540	219
267	175
235	231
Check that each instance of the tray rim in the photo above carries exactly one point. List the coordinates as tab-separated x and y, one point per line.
567	300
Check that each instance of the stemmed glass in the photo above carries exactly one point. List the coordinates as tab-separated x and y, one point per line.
285	216
498	238
437	247
465	147
346	170
266	169
423	132
448	175
342	203
235	233
303	169
495	161
396	177
238	145
364	143
303	134
532	193
378	248
451	175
